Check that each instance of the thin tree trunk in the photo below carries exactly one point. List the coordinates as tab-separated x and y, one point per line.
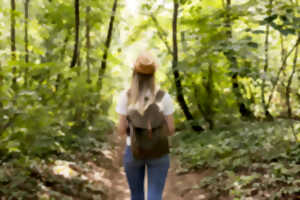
77	24
283	50
207	111
161	34
78	55
288	87
1	84
284	62
180	97
88	43
63	51
245	112
78	63
266	65
183	41
26	7
107	45
13	38
209	89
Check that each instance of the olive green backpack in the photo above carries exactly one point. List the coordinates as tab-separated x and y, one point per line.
148	132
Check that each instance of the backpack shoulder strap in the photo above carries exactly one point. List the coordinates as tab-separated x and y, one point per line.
159	95
151	113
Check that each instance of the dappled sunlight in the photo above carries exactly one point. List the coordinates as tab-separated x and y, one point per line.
62	167
108	154
231	69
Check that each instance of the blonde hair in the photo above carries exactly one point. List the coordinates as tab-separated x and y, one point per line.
141	92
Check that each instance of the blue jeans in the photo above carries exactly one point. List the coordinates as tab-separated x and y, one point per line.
135	172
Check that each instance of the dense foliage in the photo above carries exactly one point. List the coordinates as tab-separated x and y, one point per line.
231	66
50	105
251	159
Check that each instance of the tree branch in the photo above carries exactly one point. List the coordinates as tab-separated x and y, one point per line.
280	70
161	34
107	44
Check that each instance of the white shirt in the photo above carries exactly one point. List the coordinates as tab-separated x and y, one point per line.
121	108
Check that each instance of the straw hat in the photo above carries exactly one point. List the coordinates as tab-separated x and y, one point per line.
145	63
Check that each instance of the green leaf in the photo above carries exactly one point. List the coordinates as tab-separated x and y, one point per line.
252	44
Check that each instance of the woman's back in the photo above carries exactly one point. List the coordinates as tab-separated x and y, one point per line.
142	107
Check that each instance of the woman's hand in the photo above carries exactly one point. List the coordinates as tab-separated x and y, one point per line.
170	124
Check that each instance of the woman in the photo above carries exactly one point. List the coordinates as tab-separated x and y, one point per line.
143	87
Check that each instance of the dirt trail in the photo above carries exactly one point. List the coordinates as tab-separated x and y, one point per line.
178	187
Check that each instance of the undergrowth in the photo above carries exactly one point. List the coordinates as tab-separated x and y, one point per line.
251	160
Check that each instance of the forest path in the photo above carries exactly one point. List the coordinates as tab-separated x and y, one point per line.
93	173
178	186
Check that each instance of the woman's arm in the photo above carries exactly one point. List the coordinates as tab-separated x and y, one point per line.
170	123
122	126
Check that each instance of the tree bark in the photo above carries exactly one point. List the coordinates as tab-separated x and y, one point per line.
13	38
180	97
26	7
230	55
88	43
77	24
107	45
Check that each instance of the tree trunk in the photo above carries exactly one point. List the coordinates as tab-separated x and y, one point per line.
13	39
26	7
88	43
180	97
63	51
161	34
107	44
183	41
78	55
288	87
283	65
206	108
230	55
1	84
78	62
209	89
266	65
77	23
